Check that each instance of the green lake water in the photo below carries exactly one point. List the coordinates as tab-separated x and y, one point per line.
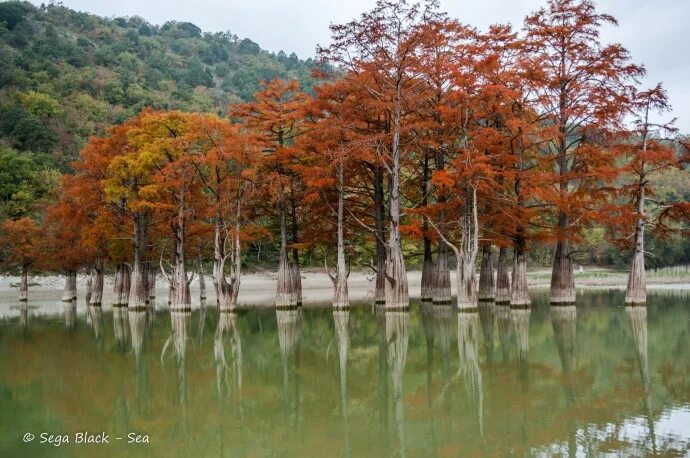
592	379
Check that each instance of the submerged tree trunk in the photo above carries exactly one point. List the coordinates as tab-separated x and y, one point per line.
340	294
520	320
519	294
502	277
466	279
181	296
122	284
69	292
397	337
97	282
227	290
468	350
562	278
486	275
296	275
138	291
24	283
636	292
428	269
563	320
89	289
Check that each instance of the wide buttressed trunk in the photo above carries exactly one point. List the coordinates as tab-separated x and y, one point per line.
487	291
562	278
636	292
502	277
97	283
428	280
441	291
138	291
519	294
24	284
122	285
69	293
227	290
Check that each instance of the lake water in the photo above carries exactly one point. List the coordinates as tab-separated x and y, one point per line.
586	380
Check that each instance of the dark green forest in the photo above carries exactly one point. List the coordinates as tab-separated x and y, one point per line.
68	75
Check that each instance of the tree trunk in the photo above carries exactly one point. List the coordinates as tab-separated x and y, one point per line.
562	278
296	275
122	285
519	295
89	289
24	283
284	290
379	215
340	295
138	291
441	293
227	291
181	296
396	276
202	281
428	269
636	293
151	283
486	275
69	292
97	274
466	279
502	277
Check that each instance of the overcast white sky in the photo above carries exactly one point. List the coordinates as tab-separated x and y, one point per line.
652	30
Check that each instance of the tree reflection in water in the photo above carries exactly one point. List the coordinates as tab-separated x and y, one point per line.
468	350
397	337
289	323
341	320
120	327
70	311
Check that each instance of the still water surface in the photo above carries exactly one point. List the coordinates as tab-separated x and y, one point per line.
585	380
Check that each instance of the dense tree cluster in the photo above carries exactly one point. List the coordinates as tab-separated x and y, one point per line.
423	137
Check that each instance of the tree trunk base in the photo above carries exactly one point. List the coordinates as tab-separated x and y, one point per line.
640	298
562	296
502	296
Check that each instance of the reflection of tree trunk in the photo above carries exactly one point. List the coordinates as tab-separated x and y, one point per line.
638	325
383	374
122	284
69	292
96	314
562	278
468	349
563	320
120	327
179	320
487	311
24	283
397	336
70	309
504	330
97	273
502	277
24	317
289	335
486	275
520	319
137	326
341	319
443	327
228	329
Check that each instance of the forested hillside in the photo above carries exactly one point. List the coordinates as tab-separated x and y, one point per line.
67	75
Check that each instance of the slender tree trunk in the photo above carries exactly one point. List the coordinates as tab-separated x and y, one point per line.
296	275
151	283
24	283
284	291
441	288
519	294
502	277
636	293
202	281
380	210
181	296
486	275
69	292
122	284
227	291
138	292
428	268
340	296
89	289
396	285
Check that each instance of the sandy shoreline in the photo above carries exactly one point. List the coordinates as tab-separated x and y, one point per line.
258	289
